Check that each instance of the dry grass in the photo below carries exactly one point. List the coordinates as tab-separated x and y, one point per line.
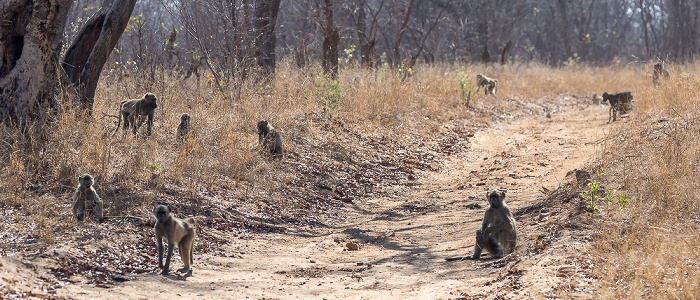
647	249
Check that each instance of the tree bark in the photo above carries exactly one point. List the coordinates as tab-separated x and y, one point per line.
265	39
331	38
91	48
506	50
30	41
366	43
401	30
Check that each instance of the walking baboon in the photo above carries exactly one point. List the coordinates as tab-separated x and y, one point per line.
497	234
269	139
489	84
659	71
176	231
620	101
130	110
184	128
86	201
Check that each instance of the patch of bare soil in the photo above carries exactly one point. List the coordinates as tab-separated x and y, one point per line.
391	245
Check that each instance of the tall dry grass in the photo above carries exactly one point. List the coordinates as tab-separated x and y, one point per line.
647	249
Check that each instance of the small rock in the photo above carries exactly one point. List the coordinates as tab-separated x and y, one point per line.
352	246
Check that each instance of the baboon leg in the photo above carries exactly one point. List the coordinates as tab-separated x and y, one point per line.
150	124
507	243
185	254
166	267
185	248
484	242
97	213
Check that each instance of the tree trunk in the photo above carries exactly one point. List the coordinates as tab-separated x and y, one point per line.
331	38
265	39
402	28
506	50
91	48
30	41
366	44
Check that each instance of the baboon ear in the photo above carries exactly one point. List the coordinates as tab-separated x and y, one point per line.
154	209
170	209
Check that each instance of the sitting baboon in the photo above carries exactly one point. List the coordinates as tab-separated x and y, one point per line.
659	72
130	110
269	139
620	101
497	234
177	231
184	128
489	84
86	201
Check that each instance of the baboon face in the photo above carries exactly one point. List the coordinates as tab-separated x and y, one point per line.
151	100
185	118
263	127
85	180
162	213
479	76
495	198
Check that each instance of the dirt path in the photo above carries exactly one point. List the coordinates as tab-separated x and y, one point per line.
403	241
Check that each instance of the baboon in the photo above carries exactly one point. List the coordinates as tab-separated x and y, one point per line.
86	201
176	230
131	109
269	139
497	234
620	101
489	84
659	71
184	128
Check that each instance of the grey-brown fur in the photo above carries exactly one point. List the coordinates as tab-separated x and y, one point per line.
86	200
269	139
176	231
498	233
659	73
130	110
184	128
618	102
489	84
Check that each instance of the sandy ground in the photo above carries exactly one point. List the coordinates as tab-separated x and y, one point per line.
403	241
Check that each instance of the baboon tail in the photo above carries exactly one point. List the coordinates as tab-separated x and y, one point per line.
457	258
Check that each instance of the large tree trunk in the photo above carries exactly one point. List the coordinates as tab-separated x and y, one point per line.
30	41
91	48
265	39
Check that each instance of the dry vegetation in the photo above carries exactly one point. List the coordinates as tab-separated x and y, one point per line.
367	129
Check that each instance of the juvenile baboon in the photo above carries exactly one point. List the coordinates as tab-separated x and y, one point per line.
85	200
130	110
489	84
184	128
659	71
620	101
497	234
176	231
269	139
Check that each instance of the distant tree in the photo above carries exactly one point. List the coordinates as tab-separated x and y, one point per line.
265	38
29	49
91	48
